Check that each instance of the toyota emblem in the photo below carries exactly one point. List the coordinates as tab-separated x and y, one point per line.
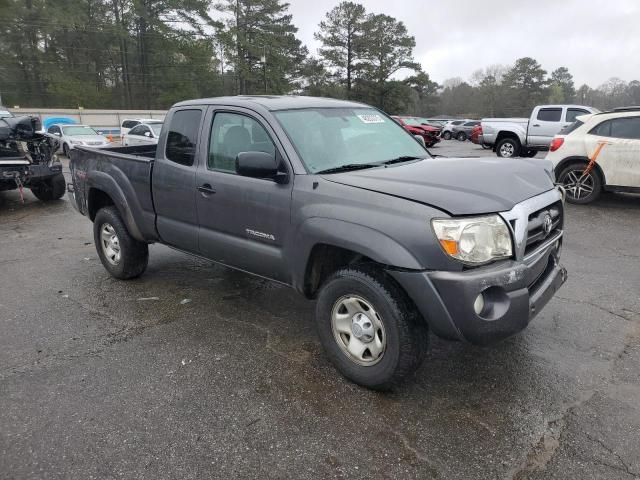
547	224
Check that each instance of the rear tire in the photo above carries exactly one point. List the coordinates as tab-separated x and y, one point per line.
397	339
122	256
446	135
50	189
580	190
461	137
508	148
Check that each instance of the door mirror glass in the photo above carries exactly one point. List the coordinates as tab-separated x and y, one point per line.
257	165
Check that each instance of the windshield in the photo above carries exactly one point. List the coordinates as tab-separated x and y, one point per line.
79	130
327	138
416	122
156	127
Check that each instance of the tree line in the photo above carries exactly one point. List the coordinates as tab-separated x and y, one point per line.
151	53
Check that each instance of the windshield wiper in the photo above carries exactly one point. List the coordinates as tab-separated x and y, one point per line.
405	158
349	167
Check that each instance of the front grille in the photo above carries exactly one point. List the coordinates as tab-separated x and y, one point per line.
543	224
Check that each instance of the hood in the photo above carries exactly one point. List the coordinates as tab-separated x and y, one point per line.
459	186
88	138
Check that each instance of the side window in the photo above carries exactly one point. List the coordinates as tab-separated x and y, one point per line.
549	114
626	128
232	133
602	130
54	129
138	130
129	123
573	113
182	138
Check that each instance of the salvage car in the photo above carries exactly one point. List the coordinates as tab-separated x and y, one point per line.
525	137
27	158
463	131
71	136
598	152
447	130
429	133
336	200
143	134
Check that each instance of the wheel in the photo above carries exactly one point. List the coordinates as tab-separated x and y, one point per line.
580	188
446	135
461	136
123	256
529	153
508	148
65	150
50	189
369	328
485	146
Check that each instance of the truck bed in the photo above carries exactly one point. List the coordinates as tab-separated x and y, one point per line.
122	173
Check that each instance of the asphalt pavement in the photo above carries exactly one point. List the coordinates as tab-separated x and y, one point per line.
197	371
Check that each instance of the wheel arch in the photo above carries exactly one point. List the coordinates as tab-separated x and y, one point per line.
578	159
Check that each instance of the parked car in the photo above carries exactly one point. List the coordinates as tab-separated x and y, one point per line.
612	141
129	123
513	137
448	128
4	113
27	158
143	134
415	126
336	200
71	136
477	137
462	131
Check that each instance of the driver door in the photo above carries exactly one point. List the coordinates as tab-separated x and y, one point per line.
242	221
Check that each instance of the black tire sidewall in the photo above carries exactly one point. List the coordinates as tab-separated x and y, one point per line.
391	305
50	189
134	255
446	135
597	183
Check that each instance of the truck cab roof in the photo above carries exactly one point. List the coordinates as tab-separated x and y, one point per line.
274	102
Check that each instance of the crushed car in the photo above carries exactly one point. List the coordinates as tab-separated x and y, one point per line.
28	159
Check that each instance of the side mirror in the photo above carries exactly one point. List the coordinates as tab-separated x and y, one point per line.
258	165
420	139
57	134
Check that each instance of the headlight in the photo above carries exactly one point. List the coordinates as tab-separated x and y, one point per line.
474	240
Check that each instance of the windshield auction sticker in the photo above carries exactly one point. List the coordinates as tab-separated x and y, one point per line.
371	118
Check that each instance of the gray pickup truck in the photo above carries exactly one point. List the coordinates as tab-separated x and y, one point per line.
336	200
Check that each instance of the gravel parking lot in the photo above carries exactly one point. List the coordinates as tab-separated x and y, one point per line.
197	371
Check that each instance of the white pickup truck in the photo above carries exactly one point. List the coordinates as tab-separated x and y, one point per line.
514	137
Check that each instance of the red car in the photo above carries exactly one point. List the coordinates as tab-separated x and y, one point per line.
415	126
476	136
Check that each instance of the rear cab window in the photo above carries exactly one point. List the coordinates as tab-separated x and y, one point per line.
182	139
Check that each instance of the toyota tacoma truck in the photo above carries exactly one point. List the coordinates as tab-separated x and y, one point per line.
27	158
525	137
339	202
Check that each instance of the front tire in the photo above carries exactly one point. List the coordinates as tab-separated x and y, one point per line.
462	137
122	256
508	148
50	189
580	188
369	328
446	135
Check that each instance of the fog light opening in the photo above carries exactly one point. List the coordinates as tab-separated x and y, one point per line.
478	305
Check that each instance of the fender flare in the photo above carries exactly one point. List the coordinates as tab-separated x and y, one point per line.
122	194
366	241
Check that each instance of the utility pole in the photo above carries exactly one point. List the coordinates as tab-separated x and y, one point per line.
263	59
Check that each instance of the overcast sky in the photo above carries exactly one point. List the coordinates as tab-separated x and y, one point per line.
595	39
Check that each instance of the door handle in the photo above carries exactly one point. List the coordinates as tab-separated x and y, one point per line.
206	190
537	125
